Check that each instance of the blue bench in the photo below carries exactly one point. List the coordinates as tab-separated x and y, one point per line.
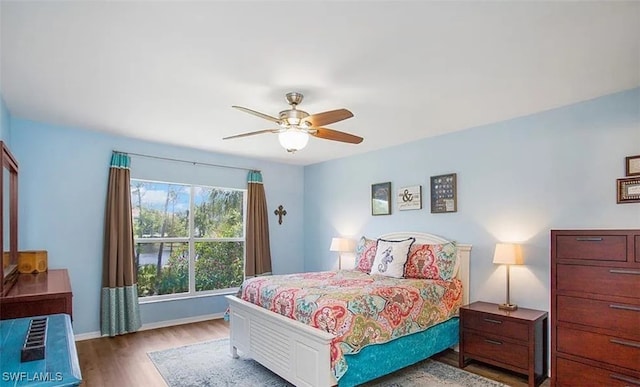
60	366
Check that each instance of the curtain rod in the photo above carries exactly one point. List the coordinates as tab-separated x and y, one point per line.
187	161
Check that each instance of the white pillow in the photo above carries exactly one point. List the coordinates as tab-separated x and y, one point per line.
391	257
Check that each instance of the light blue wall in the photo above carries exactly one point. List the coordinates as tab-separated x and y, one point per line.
516	180
5	129
63	186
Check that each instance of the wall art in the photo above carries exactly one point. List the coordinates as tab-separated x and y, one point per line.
443	193
381	199
629	190
409	198
632	165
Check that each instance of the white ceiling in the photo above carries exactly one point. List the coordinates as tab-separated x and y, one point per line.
170	71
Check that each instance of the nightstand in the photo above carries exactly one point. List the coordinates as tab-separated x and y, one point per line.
515	340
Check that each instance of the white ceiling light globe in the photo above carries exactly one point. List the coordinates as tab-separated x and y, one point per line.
293	139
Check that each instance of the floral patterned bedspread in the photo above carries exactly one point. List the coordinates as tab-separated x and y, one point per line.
358	308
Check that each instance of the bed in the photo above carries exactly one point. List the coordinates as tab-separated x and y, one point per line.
303	355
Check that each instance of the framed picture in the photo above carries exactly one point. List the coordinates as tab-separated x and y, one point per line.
443	193
629	190
632	165
381	199
409	198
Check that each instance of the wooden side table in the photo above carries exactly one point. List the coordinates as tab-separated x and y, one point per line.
38	294
515	340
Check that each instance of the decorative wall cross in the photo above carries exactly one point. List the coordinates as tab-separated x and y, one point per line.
280	212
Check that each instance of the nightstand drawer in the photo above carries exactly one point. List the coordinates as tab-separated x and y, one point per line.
592	247
571	373
607	349
616	316
495	324
492	348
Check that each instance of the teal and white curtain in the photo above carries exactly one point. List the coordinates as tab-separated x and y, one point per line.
120	311
258	250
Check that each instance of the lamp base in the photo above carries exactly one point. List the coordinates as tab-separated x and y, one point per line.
509	307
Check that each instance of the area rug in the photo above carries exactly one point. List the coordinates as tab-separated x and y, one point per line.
209	364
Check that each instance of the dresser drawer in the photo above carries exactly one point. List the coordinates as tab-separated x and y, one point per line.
607	349
571	373
495	324
491	348
602	314
599	280
592	247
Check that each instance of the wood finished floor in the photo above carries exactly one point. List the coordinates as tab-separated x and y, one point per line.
122	361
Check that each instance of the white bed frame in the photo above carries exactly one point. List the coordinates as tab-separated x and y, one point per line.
295	351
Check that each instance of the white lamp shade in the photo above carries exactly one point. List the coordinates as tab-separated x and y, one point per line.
508	254
293	139
342	245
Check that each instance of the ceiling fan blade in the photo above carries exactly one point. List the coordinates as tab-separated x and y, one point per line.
255	113
252	133
330	134
326	118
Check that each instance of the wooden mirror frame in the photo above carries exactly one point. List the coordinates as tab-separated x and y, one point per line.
10	166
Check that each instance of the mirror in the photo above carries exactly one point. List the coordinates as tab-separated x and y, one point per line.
9	223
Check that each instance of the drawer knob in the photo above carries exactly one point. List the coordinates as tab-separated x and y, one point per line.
625	307
625	342
589	239
492	321
493	342
625	379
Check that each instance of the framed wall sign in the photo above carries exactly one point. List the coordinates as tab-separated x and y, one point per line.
629	190
632	164
409	198
381	199
443	193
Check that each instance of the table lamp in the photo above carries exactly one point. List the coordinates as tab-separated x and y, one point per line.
341	245
508	254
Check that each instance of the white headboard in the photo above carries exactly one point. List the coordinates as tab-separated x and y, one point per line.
464	255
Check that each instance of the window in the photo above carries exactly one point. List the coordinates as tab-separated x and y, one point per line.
189	239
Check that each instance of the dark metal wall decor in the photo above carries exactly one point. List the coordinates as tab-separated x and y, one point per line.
280	212
443	193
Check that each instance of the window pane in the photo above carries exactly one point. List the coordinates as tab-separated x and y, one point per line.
219	265
160	210
163	268
218	213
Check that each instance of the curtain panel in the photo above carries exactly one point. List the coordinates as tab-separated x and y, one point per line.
258	250
120	311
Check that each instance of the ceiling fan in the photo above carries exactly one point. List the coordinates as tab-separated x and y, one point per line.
295	125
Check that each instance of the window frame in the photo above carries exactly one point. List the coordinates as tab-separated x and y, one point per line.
191	241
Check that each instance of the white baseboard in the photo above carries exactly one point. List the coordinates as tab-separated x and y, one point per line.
156	325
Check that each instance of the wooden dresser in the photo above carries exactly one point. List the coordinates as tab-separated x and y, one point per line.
595	307
38	294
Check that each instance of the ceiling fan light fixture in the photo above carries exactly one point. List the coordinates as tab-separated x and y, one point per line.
293	139
295	126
